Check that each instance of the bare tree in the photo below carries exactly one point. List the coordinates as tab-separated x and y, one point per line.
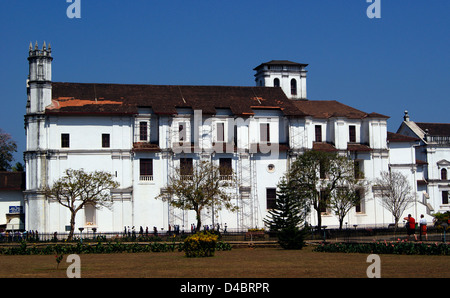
395	193
77	188
200	187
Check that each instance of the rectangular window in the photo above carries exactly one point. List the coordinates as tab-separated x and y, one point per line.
352	133
323	201
89	213
225	168
271	196
318	131
220	132
105	140
182	132
65	140
445	197
186	167
358	205
146	169
357	170
143	131
264	131
322	170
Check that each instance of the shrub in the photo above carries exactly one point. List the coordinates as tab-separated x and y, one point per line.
399	247
201	244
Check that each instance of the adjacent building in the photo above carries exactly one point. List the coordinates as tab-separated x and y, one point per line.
433	160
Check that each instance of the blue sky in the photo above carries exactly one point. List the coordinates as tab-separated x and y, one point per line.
400	61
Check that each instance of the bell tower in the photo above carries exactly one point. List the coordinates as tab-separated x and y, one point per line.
39	78
288	75
39	96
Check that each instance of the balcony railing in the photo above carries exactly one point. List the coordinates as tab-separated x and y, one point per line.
146	177
438	139
226	177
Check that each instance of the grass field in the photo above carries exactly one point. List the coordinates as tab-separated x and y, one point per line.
237	263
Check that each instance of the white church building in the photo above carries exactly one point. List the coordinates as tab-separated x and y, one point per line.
135	133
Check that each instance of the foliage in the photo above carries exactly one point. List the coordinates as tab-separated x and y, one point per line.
320	178
201	244
7	148
198	188
304	178
78	188
58	259
102	248
287	218
344	187
398	247
440	219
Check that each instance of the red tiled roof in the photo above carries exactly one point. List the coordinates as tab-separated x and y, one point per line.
358	147
396	137
12	180
331	108
435	129
84	98
322	146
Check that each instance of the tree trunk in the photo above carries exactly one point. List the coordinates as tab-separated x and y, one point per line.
72	225
199	220
319	219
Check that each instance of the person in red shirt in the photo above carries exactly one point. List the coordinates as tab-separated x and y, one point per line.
411	226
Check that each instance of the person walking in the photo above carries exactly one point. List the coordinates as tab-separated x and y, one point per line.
411	226
423	227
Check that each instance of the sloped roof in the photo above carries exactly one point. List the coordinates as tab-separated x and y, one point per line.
90	98
280	62
396	137
435	129
331	108
12	180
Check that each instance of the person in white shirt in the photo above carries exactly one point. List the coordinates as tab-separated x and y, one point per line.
423	227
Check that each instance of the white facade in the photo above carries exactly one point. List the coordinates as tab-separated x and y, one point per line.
289	76
433	154
119	142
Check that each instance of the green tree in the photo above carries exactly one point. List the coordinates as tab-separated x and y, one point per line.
287	219
305	176
7	148
344	186
200	187
78	188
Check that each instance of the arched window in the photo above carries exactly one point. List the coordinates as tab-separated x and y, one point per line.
444	174
293	87
276	82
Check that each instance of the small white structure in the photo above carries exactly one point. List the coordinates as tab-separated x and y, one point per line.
12	216
140	133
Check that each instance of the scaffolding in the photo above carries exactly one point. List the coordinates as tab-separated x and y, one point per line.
248	199
244	194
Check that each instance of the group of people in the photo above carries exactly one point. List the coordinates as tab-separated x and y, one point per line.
411	226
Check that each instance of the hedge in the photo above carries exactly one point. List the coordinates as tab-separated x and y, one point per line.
399	247
110	247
